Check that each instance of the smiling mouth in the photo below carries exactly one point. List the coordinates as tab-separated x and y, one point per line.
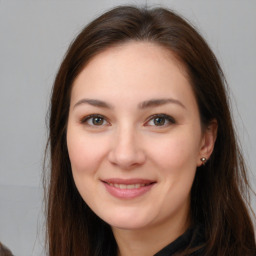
129	186
128	189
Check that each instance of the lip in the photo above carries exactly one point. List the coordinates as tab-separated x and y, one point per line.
128	188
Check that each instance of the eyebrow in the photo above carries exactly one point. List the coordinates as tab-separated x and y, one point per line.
93	102
159	102
142	105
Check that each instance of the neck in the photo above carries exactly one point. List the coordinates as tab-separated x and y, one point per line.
150	240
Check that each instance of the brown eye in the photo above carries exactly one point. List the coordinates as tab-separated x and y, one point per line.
159	121
97	120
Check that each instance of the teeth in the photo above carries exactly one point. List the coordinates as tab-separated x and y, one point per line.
129	186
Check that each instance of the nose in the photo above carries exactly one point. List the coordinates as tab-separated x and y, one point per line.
126	151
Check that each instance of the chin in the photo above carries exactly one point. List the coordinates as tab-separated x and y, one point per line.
129	222
127	226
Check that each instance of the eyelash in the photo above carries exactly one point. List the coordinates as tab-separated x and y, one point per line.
167	118
85	120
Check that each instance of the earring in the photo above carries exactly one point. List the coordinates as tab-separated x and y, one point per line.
203	160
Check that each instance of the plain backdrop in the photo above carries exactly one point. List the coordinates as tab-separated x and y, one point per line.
34	36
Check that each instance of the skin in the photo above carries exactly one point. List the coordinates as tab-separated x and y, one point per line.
127	141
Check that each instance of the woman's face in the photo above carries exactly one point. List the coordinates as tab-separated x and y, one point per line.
134	136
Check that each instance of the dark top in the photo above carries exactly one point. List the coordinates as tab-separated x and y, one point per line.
192	238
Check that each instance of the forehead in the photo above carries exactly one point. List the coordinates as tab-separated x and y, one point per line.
136	68
137	52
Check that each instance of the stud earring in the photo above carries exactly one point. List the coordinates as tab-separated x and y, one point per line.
203	160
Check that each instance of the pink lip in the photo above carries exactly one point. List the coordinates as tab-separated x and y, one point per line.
136	187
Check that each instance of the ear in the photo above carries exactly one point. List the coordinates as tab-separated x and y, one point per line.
208	140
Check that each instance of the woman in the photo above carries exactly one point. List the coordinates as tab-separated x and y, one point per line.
144	159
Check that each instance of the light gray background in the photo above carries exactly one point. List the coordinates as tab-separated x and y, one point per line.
34	36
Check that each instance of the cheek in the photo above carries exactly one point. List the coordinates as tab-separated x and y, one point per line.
179	150
176	159
85	152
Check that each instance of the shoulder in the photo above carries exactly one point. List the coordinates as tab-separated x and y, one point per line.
199	252
190	243
4	251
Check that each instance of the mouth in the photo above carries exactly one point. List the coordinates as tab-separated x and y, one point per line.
128	188
124	186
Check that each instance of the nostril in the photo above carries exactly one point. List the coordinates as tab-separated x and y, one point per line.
126	158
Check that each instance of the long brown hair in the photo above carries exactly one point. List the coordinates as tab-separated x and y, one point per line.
219	196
